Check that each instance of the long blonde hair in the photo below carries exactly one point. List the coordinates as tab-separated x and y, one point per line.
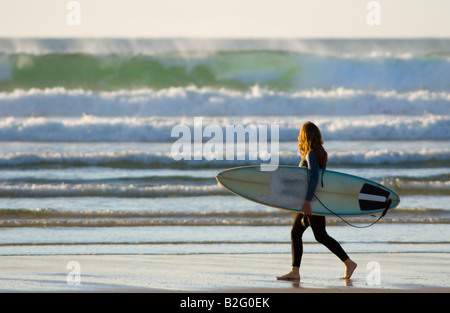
309	139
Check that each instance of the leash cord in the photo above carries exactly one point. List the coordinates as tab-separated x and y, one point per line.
350	224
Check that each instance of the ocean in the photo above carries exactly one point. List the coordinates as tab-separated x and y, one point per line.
86	139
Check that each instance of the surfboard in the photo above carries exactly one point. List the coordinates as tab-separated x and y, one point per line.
285	188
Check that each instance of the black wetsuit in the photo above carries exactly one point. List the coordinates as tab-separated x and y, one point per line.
317	221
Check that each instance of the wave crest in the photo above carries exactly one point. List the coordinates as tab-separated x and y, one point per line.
193	101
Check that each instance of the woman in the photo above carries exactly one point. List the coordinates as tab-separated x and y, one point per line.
315	158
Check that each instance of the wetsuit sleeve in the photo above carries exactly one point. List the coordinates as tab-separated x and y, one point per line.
313	173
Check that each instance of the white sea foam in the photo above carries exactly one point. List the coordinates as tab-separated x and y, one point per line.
374	48
192	101
104	190
90	128
390	157
137	159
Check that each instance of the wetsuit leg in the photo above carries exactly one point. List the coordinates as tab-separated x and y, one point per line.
296	240
321	235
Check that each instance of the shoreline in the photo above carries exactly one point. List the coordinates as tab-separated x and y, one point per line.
223	273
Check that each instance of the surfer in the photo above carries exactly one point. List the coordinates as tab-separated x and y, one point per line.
314	157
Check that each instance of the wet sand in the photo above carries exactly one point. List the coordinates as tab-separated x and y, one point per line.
377	272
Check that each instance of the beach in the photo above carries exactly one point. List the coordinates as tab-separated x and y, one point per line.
225	273
109	151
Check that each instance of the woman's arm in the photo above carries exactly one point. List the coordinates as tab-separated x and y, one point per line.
313	173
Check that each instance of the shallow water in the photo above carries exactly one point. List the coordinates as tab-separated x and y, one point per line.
86	163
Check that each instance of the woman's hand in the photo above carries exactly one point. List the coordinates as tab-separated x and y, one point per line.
306	207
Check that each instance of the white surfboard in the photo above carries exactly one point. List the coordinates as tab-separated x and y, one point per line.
286	186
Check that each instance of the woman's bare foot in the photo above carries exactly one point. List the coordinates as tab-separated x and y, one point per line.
350	267
294	274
